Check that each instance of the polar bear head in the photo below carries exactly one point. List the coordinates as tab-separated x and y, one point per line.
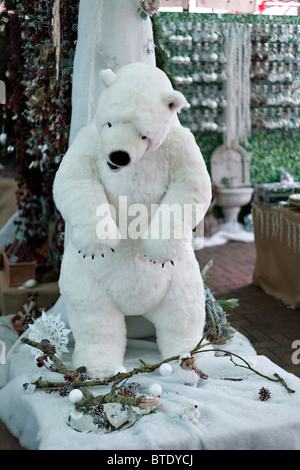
135	113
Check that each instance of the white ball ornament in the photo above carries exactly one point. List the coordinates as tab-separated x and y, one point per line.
213	57
3	138
213	37
165	370
155	389
75	396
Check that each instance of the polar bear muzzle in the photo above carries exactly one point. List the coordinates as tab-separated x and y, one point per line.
120	158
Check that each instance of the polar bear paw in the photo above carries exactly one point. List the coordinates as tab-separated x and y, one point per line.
84	255
162	264
89	244
163	251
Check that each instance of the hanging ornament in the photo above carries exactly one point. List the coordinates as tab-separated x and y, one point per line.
238	85
3	137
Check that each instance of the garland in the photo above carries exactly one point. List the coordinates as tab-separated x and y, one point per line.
77	383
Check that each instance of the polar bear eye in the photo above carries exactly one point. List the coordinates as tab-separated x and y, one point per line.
144	137
109	124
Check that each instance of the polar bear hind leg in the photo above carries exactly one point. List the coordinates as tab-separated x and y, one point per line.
180	318
99	332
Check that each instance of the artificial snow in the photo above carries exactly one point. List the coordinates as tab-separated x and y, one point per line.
230	231
231	415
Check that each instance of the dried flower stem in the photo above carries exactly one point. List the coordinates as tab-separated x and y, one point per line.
246	365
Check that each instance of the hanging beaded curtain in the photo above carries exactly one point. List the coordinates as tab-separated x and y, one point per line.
237	86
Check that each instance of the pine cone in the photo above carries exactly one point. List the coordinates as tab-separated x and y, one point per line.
44	344
97	410
131	390
264	394
47	347
82	371
51	349
64	391
124	391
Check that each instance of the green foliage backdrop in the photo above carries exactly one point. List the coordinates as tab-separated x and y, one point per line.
269	151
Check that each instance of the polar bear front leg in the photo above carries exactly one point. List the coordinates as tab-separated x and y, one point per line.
99	331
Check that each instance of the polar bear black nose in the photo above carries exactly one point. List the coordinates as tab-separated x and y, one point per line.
120	158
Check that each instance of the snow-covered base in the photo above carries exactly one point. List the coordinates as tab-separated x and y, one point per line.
232	416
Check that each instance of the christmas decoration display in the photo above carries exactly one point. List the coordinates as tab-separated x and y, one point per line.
39	97
270	194
141	147
44	114
44	34
125	402
6	122
201	61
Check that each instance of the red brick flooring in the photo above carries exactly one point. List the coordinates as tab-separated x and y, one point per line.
270	325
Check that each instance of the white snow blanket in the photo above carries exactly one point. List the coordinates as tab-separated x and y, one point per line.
229	232
232	415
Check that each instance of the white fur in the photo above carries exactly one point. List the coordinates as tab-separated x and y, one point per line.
166	167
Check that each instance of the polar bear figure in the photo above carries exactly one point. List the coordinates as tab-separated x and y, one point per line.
132	186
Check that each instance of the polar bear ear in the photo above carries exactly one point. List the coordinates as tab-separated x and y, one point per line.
108	77
175	100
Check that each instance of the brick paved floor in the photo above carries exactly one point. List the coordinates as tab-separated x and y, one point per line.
270	325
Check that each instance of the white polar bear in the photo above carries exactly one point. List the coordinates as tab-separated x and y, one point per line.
114	187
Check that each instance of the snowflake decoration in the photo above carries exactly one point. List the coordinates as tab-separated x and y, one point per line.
49	327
